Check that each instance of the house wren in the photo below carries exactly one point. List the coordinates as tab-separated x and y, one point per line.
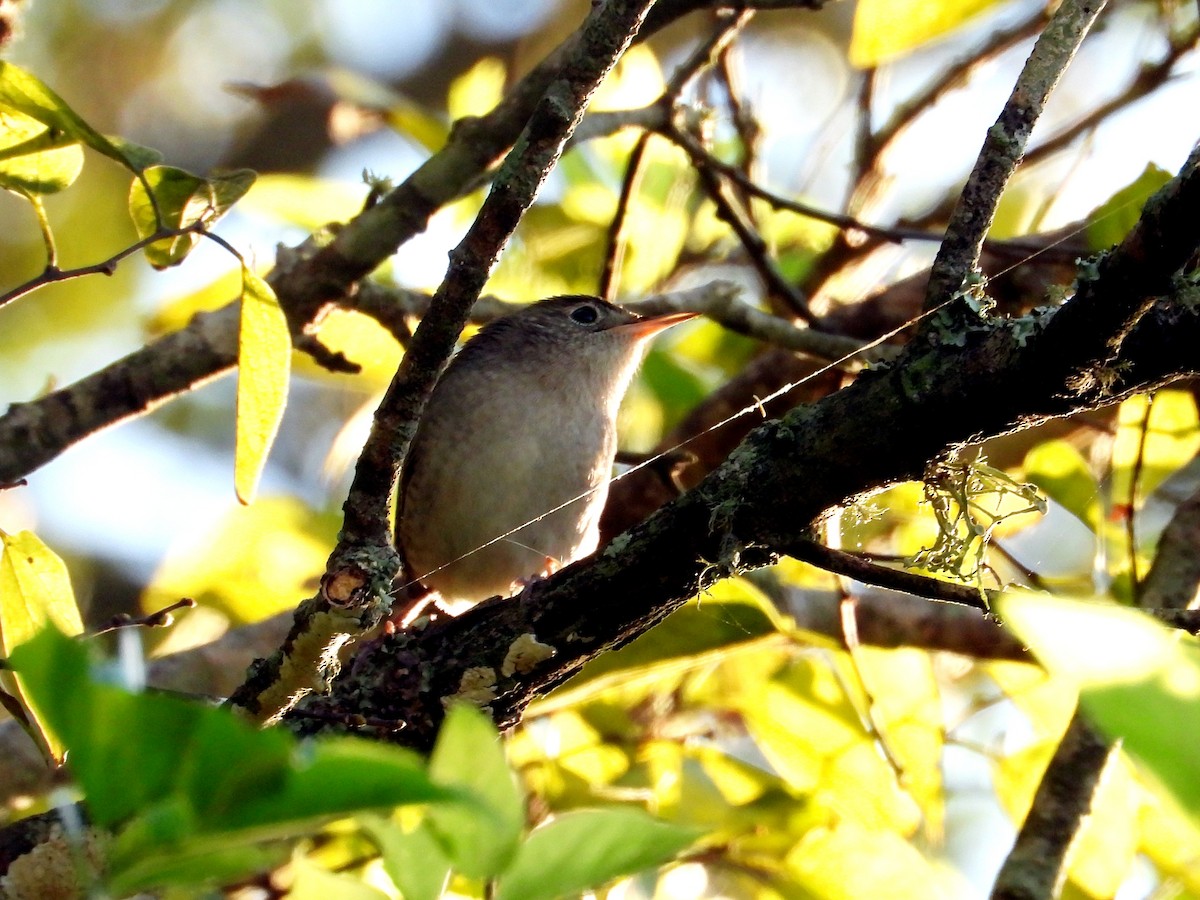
522	421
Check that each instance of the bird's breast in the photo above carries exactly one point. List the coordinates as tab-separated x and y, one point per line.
494	494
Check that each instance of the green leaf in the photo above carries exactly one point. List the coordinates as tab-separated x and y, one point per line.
25	93
887	29
469	756
35	590
413	859
35	159
166	197
1135	676
195	785
193	867
1112	220
589	848
124	749
674	385
264	366
1060	471
335	777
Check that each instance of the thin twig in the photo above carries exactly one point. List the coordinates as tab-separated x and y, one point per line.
756	248
1135	477
52	274
728	26
864	138
614	253
745	122
159	619
860	569
702	158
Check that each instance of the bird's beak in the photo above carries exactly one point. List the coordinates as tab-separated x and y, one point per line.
652	325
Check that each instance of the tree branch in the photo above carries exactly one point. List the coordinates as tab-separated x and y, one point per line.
1174	578
1035	869
1001	153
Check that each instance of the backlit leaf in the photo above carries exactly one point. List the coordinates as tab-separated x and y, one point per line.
1060	471
477	90
587	849
1155	438
907	712
180	200
814	736
24	92
848	862
254	562
35	590
1109	222
313	882
264	365
1133	673
35	158
886	29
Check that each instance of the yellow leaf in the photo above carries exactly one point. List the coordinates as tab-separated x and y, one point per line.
849	861
477	90
811	732
886	29
1154	440
907	711
35	590
1103	853
306	201
264	363
636	80
253	563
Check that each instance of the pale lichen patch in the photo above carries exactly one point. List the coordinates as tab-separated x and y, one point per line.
523	654
477	687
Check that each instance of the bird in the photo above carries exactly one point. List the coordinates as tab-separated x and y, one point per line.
522	421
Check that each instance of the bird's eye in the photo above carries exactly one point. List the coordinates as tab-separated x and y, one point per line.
585	315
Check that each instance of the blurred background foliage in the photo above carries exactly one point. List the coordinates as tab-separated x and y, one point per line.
818	769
